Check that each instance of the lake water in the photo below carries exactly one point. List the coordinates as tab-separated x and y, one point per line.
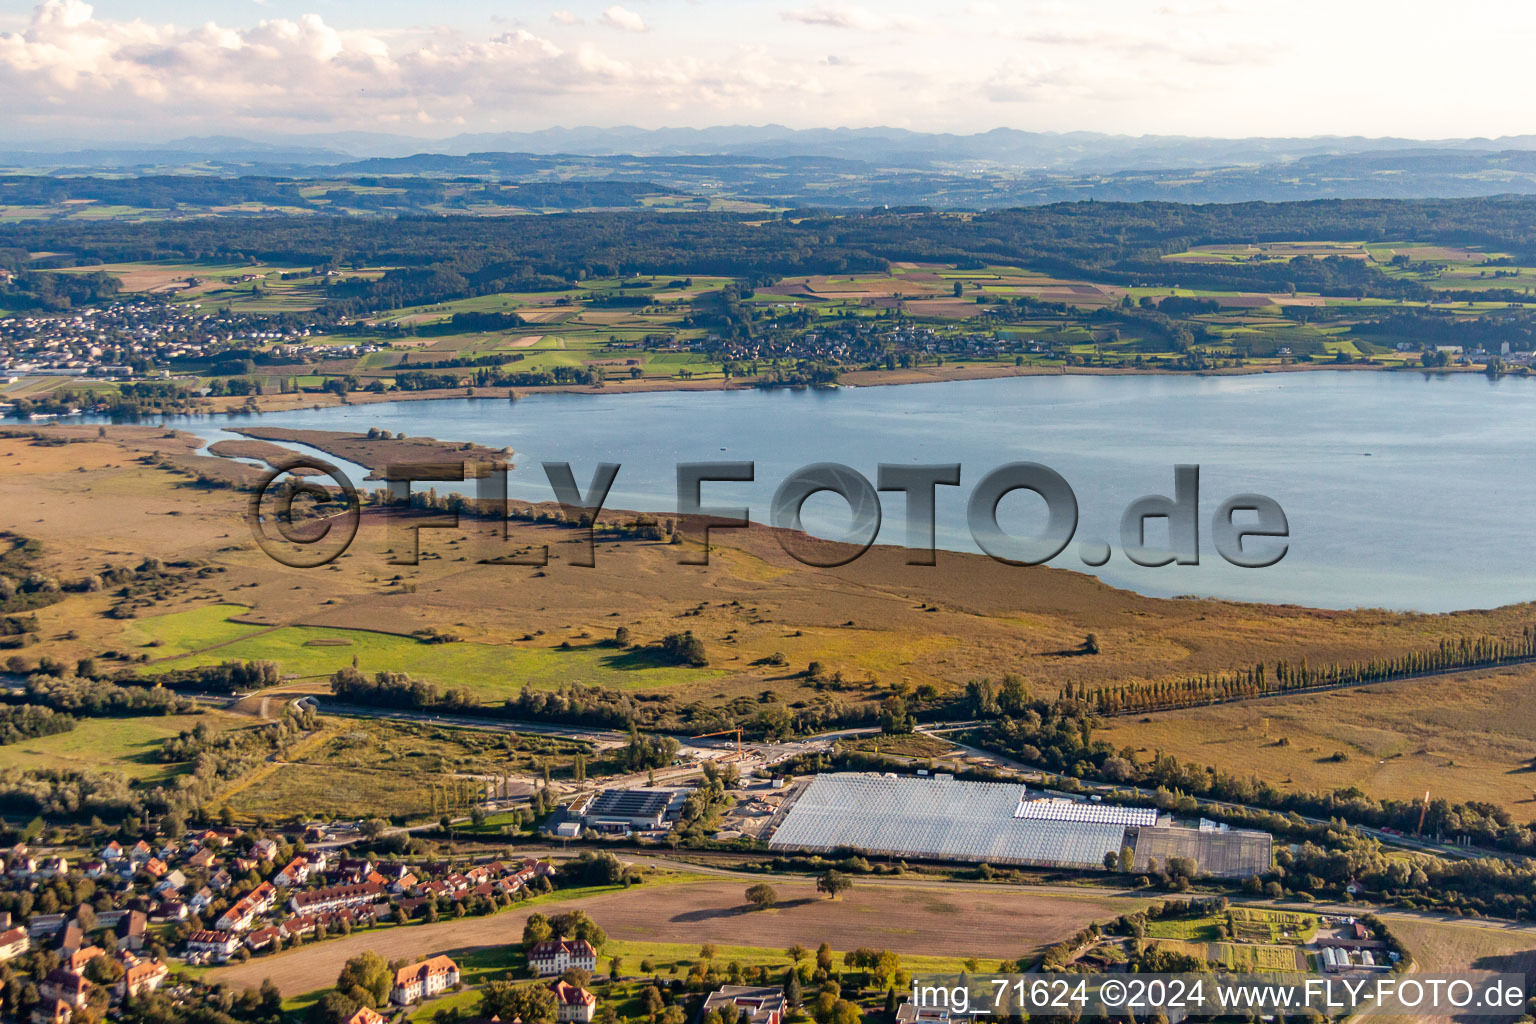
1402	490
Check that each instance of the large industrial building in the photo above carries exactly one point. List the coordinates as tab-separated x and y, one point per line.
628	810
947	819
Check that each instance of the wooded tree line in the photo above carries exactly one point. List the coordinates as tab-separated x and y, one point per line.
438	258
28	721
1288	677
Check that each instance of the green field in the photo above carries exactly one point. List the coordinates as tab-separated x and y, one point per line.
490	671
126	745
1201	929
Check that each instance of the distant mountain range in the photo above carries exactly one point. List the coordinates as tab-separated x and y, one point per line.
853	166
1079	152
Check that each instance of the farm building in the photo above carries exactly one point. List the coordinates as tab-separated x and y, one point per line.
997	823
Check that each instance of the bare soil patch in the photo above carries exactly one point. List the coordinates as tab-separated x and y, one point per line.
934	921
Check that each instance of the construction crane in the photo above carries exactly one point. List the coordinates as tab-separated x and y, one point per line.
723	732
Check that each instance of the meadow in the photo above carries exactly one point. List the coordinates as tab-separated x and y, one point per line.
125	745
362	768
492	672
1463	736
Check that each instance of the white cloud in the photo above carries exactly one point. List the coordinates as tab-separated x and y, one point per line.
67	65
623	18
857	18
1137	66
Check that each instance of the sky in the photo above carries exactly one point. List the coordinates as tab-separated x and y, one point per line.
152	70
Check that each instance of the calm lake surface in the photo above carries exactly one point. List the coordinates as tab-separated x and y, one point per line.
1402	490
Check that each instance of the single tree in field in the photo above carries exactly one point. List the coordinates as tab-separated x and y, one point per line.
793	994
651	1000
762	896
797	952
834	884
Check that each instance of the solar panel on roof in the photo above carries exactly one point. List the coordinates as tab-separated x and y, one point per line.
629	802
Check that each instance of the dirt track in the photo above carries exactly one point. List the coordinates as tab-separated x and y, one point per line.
934	920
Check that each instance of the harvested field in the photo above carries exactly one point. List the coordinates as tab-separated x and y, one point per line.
1478	948
929	920
1461	736
949	308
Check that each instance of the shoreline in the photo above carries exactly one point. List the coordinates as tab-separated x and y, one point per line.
852	379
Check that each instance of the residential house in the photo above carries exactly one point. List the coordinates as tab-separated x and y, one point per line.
13	943
295	872
170	910
131	928
77	959
352	870
112	851
216	944
336	897
365	1015
139	977
573	1004
261	938
556	956
66	987
423	980
169	886
52	1012
155	867
761	1005
244	911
